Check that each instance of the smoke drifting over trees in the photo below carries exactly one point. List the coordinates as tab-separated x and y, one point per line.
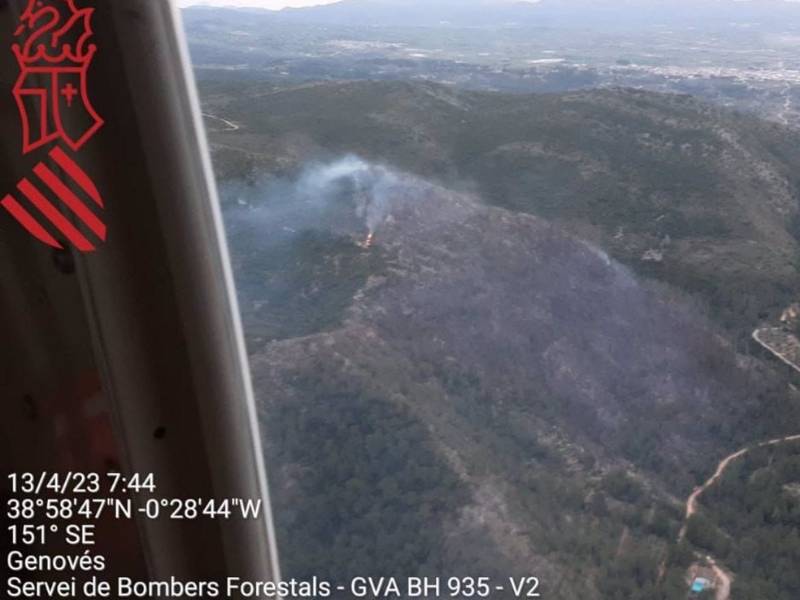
328	195
501	350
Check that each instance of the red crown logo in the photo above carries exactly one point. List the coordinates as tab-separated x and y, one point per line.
56	33
54	54
59	205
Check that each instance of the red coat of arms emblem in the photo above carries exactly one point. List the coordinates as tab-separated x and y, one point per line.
54	54
58	202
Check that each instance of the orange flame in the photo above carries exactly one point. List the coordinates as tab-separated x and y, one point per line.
367	243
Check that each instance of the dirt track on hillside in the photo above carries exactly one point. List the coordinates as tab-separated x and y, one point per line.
724	578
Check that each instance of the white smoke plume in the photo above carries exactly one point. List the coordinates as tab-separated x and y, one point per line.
338	195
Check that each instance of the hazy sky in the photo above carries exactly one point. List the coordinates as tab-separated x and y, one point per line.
256	3
275	4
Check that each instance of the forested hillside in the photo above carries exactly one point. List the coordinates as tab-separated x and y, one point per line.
540	349
699	197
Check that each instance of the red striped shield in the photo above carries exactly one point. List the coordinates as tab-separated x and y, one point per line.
53	207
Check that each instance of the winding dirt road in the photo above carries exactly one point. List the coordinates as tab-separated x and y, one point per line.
691	503
724	579
230	125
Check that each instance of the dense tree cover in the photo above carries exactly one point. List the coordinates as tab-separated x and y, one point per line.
297	285
631	577
622	486
360	490
751	521
361	486
703	533
634	170
361	477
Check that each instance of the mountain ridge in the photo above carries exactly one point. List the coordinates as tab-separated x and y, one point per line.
482	13
512	351
676	189
527	352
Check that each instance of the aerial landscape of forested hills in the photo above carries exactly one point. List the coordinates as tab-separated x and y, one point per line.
674	188
478	342
510	332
